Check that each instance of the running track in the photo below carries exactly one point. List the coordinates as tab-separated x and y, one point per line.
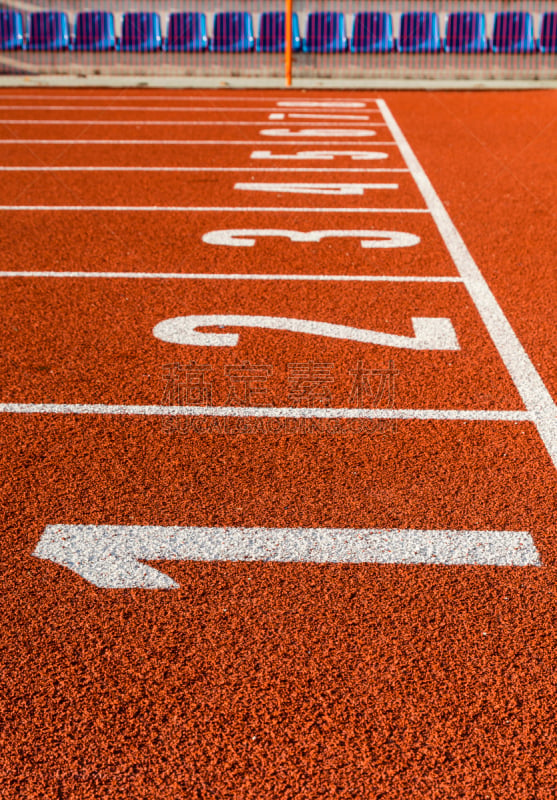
317	561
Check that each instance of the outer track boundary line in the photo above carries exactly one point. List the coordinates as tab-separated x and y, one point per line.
424	414
530	386
233	276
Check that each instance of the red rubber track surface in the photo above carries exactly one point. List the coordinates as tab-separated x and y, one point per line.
106	325
268	680
36	240
148	189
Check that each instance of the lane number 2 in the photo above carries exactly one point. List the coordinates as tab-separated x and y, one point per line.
430	333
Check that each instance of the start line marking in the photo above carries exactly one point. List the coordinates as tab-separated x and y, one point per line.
111	556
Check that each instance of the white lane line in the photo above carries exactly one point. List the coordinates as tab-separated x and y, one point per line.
275	412
291	209
174	109
183	122
223	276
112	556
194	142
535	395
210	99
201	169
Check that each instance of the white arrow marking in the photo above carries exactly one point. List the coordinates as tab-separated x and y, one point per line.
315	188
319	132
111	556
430	333
242	237
321	155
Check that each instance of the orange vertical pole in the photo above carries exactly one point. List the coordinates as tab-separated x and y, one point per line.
288	44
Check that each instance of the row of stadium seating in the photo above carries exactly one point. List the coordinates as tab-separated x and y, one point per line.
513	32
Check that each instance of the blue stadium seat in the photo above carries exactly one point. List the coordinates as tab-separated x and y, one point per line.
548	33
272	32
419	32
325	33
232	32
513	32
466	33
11	30
48	30
94	30
141	32
372	32
187	32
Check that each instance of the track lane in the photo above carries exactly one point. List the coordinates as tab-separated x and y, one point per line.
405	661
160	152
173	242
206	189
110	324
138	129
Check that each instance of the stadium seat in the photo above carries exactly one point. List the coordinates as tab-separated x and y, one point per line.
232	32
548	33
187	32
141	32
465	33
372	32
11	30
48	30
419	32
272	32
325	33
513	32
94	30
